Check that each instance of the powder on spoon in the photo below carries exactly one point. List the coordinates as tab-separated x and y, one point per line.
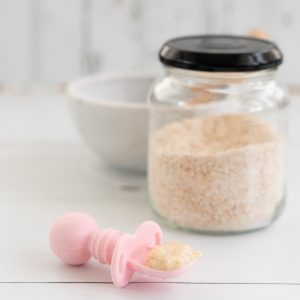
171	256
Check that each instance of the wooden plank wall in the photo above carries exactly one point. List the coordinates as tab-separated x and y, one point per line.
54	41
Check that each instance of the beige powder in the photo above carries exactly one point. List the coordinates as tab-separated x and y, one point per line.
217	173
171	256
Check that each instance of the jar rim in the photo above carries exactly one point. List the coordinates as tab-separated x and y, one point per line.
221	75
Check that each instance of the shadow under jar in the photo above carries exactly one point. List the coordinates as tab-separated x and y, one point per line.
217	134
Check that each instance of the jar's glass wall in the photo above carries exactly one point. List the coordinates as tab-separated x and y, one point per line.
217	149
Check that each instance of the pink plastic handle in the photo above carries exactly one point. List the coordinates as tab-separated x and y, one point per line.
75	238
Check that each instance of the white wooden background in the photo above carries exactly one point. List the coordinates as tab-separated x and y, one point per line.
53	41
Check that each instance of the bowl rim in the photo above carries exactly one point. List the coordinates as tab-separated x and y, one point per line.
72	89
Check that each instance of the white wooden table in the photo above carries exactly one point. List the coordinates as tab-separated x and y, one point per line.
46	171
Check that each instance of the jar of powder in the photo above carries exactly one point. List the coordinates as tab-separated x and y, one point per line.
217	134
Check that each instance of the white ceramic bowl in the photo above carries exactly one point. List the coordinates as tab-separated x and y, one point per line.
111	113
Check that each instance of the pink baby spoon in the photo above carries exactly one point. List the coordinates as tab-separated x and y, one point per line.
75	237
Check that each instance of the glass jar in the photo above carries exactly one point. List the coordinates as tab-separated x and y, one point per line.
217	135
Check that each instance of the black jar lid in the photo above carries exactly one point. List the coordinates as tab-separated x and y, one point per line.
220	53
